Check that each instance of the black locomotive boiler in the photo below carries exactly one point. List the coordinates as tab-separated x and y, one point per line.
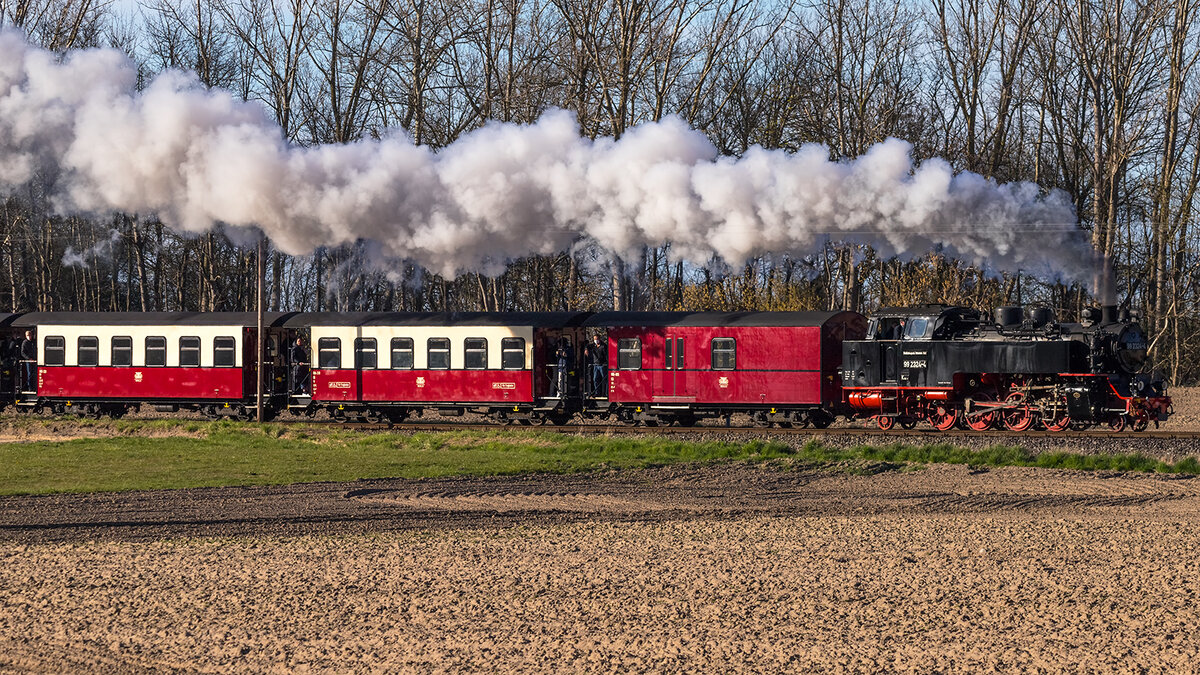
952	366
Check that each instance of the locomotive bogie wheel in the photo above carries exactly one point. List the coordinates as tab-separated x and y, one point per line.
943	418
885	422
1018	417
1117	422
1141	421
907	422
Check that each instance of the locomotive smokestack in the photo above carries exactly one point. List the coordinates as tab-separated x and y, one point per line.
1108	314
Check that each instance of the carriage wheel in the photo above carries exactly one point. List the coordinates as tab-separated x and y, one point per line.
885	422
1116	422
985	418
943	417
1019	417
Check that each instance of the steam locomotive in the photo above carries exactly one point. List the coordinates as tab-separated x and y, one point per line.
951	366
948	366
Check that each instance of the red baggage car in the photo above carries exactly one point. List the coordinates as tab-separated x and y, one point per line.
778	367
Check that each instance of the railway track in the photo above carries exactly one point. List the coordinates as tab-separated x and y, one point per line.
926	435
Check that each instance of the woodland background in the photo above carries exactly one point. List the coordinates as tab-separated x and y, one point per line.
1100	98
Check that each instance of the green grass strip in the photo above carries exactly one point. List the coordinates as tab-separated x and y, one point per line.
998	455
262	455
227	454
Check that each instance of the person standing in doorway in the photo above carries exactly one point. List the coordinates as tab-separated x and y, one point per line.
299	367
29	362
597	354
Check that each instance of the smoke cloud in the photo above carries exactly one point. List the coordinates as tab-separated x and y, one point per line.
101	249
198	158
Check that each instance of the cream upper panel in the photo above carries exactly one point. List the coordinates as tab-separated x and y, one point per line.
420	336
105	334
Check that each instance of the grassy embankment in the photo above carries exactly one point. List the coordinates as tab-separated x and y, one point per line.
159	455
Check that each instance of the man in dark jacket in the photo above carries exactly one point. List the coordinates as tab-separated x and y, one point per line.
597	356
29	362
299	367
563	357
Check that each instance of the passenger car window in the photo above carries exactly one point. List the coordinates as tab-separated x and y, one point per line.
512	353
365	353
122	351
329	353
189	352
475	354
724	354
402	353
156	351
629	353
224	351
438	352
88	351
55	351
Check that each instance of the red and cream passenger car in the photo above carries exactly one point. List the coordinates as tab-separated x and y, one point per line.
106	363
387	366
778	367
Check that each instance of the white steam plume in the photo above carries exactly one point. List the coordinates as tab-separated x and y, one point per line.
101	249
198	157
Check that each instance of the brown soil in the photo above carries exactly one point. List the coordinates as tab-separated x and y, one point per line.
730	567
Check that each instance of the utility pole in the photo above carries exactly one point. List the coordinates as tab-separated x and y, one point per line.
260	351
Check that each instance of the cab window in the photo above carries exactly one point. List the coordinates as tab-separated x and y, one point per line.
916	328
